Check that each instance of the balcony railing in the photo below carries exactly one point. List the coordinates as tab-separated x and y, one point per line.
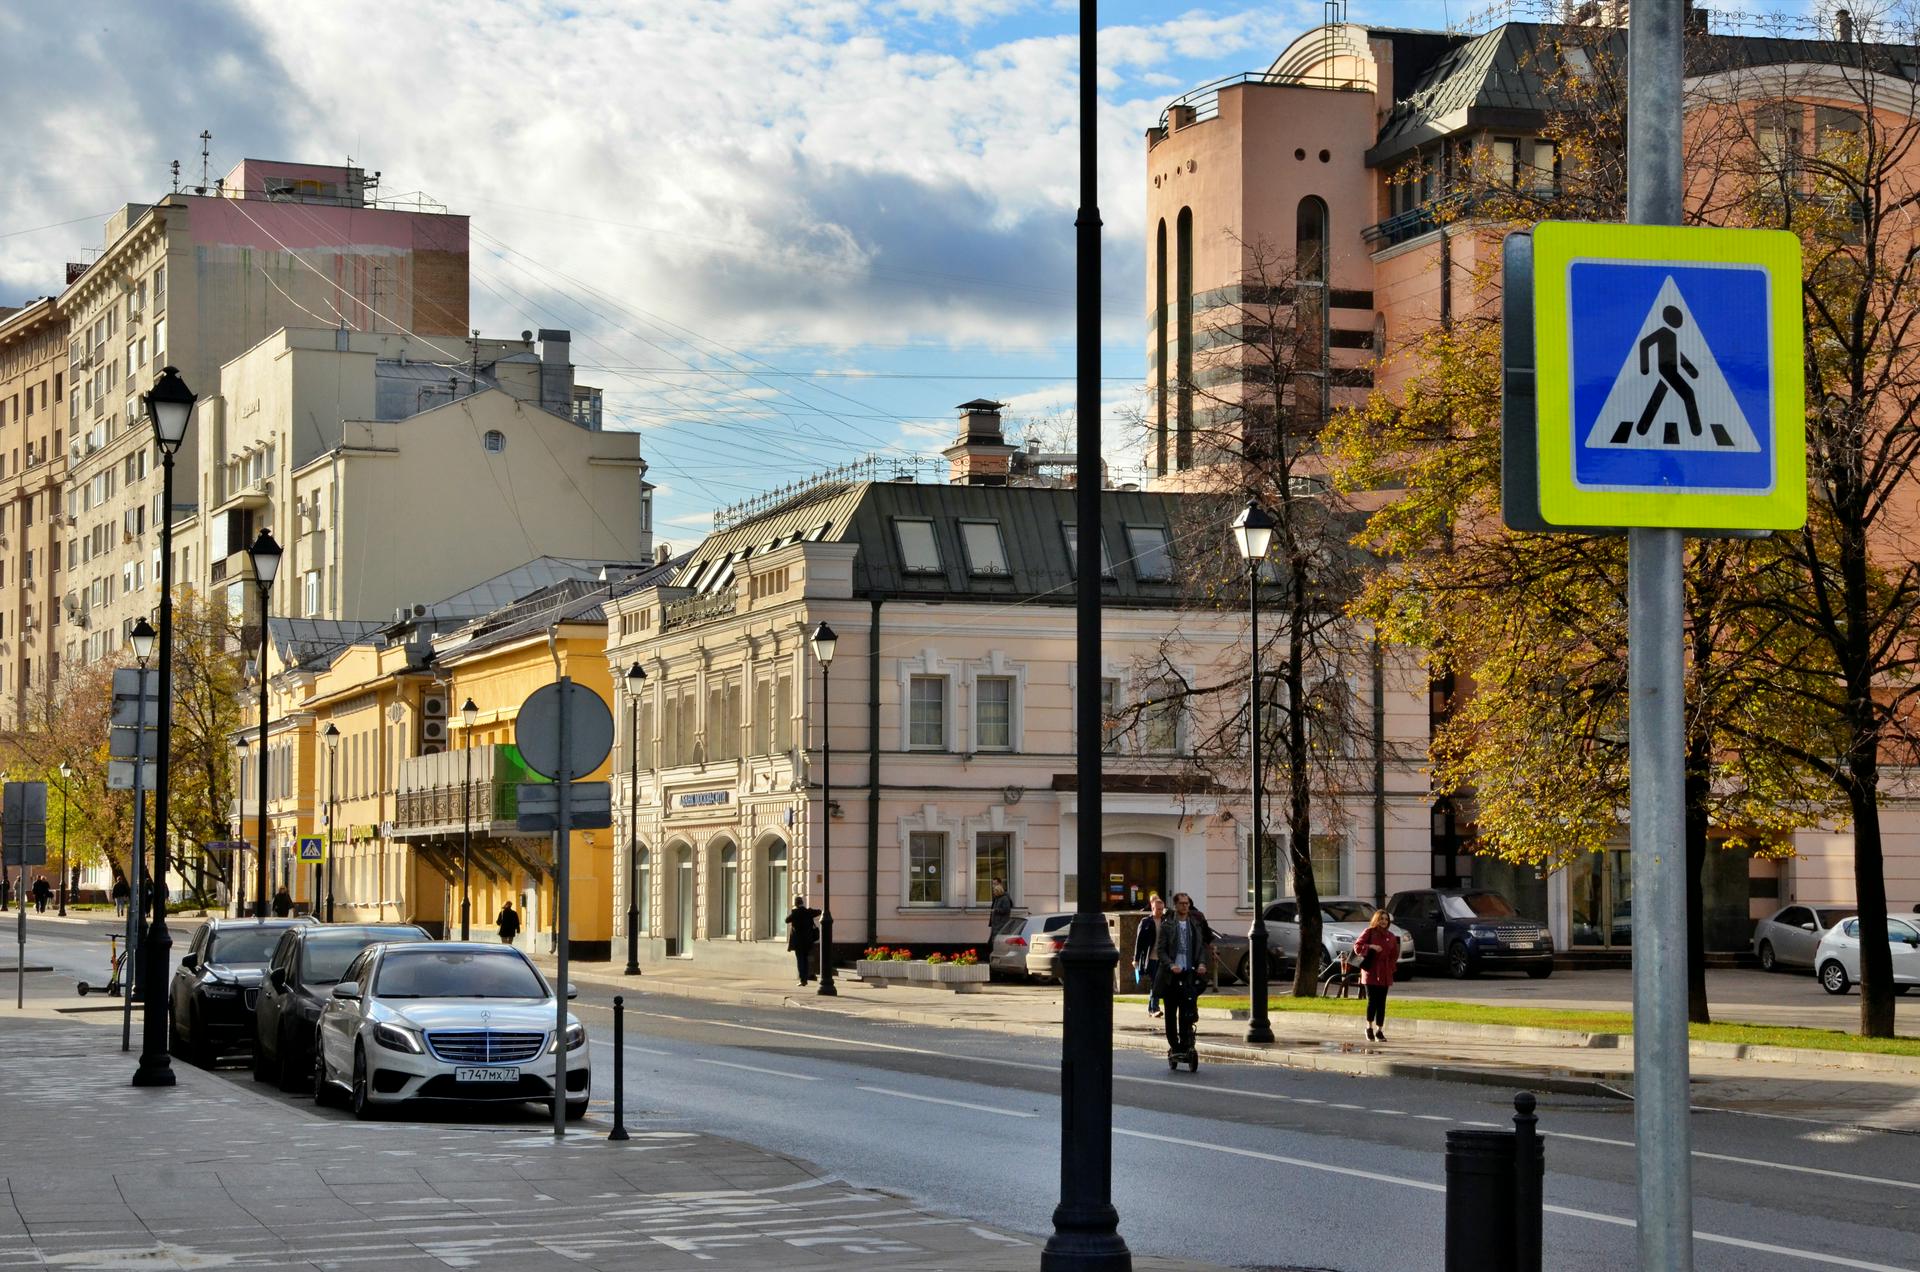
699	608
433	799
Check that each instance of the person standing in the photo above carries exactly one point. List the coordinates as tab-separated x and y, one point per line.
1378	952
1184	946
121	894
509	923
41	891
1001	913
1146	962
282	902
802	935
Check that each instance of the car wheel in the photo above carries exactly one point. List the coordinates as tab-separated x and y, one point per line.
1459	962
1901	989
293	1076
363	1105
322	1088
1541	972
1768	963
1243	970
266	1068
1833	977
576	1109
199	1047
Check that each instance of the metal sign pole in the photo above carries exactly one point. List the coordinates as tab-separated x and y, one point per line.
562	836
1656	602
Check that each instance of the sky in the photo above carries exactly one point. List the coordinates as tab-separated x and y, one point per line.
786	234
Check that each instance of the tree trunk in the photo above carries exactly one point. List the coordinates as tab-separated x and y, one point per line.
1698	787
1306	893
1870	890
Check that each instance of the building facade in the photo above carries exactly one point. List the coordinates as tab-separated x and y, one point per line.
33	468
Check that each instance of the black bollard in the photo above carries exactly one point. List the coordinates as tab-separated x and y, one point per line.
1494	1197
619	1131
1529	1175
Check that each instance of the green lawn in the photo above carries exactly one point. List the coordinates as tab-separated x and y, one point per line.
1619	1022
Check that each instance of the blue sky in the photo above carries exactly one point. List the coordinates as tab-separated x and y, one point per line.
785	233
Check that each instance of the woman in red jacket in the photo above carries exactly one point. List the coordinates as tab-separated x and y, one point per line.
1378	953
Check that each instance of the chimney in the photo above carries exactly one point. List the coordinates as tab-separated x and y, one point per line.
556	372
980	456
1843	25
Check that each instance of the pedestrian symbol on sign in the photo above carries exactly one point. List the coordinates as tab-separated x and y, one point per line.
1670	393
313	850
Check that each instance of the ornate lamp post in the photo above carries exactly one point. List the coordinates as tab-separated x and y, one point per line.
469	713
823	641
266	563
1253	531
236	854
636	680
66	772
169	408
332	736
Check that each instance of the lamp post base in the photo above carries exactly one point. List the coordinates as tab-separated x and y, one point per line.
154	1075
826	989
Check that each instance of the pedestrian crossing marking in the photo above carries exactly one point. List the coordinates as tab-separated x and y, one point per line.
1670	393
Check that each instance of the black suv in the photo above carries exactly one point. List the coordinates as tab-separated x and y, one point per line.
305	966
1470	930
212	994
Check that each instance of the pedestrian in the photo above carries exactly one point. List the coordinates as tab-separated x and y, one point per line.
282	902
121	895
509	922
1378	953
1000	914
41	891
801	936
1184	945
1146	962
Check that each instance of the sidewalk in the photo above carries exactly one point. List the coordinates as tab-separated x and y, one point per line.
214	1173
1882	1092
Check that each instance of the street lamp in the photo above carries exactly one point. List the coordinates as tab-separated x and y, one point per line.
66	771
636	680
236	854
6	880
823	641
1253	531
169	409
266	563
332	735
468	715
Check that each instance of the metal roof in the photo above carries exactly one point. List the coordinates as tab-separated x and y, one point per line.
313	643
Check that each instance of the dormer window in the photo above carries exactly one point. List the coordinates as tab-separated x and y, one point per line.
986	553
919	551
495	441
1072	533
1151	561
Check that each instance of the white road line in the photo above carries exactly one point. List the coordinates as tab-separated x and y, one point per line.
1811	1256
934	1099
1750	1161
754	1068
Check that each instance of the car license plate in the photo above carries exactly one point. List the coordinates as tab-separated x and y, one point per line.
492	1073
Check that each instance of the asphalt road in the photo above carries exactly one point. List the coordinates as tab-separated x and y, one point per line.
1239	1164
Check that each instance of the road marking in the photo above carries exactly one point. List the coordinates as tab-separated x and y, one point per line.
754	1068
1811	1256
1749	1161
934	1099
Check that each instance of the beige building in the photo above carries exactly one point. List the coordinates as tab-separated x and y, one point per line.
33	467
191	281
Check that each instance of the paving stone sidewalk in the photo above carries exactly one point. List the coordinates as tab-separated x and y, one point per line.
211	1173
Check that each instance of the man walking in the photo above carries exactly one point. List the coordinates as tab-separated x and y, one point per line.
41	891
509	923
1184	945
1001	912
282	902
121	894
1146	960
801	937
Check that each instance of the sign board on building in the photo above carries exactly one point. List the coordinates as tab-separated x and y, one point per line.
1653	378
705	799
590	806
23	823
313	850
223	847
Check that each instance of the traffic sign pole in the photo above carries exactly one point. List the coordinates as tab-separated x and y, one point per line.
562	835
1656	688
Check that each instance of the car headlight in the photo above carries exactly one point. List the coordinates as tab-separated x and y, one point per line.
396	1038
213	988
576	1038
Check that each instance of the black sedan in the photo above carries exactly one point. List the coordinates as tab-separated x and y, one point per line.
212	996
305	967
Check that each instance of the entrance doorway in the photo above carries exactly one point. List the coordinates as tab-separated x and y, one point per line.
1127	879
1600	899
680	940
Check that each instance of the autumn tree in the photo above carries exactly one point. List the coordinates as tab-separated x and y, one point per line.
208	676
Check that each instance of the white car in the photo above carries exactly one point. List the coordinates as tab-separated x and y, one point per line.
445	1020
1342	920
1838	961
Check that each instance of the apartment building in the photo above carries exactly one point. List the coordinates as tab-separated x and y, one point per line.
33	466
392	469
192	281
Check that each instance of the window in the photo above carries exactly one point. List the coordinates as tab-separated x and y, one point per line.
310	594
1269	870
993	713
1110	730
926	868
1160	723
783	715
160	288
992	859
730	891
723	719
1546	166
1325	852
1072	532
919	553
495	441
927	714
643	891
1310	240
1151	560
986	554
1506	162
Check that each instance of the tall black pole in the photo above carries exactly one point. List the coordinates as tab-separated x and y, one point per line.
64	869
466	845
633	837
1086	1227
333	773
156	1066
260	848
827	987
1258	1028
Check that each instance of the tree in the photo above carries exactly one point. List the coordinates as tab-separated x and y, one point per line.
207	712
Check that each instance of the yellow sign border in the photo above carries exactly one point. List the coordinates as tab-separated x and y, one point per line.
1556	246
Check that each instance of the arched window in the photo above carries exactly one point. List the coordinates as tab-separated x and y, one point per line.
1310	246
495	441
775	890
730	891
1160	349
643	890
1310	240
1183	284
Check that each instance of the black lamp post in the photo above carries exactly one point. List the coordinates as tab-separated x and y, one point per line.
469	713
266	563
236	853
1253	531
823	641
6	879
636	680
332	735
169	408
66	771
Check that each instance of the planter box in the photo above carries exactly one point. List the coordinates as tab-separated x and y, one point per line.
892	969
963	980
923	973
871	970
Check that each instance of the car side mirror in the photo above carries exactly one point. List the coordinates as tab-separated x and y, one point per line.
1809	927
347	989
279	977
190	962
572	993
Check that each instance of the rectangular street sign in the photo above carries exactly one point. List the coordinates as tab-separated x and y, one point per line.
120	775
591	807
23	823
313	850
123	742
126	683
129	711
1667	386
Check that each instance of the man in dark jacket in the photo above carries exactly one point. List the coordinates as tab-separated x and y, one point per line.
41	891
509	923
121	895
802	935
1001	913
1184	944
1146	959
282	902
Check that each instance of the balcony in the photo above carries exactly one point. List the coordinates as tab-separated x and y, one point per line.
701	607
433	799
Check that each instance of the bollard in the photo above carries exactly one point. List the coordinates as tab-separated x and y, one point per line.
1494	1196
1529	1175
619	1131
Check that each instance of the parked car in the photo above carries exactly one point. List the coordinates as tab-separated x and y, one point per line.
1471	930
1026	947
1342	920
446	1020
211	998
1837	962
1790	936
305	966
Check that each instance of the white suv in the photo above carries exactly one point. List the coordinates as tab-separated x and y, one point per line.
446	1020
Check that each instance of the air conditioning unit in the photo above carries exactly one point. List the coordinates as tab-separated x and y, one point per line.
432	731
433	705
433	748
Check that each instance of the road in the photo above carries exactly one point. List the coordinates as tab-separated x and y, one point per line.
1239	1164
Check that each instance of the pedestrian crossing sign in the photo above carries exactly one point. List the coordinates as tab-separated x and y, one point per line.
1668	377
313	850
